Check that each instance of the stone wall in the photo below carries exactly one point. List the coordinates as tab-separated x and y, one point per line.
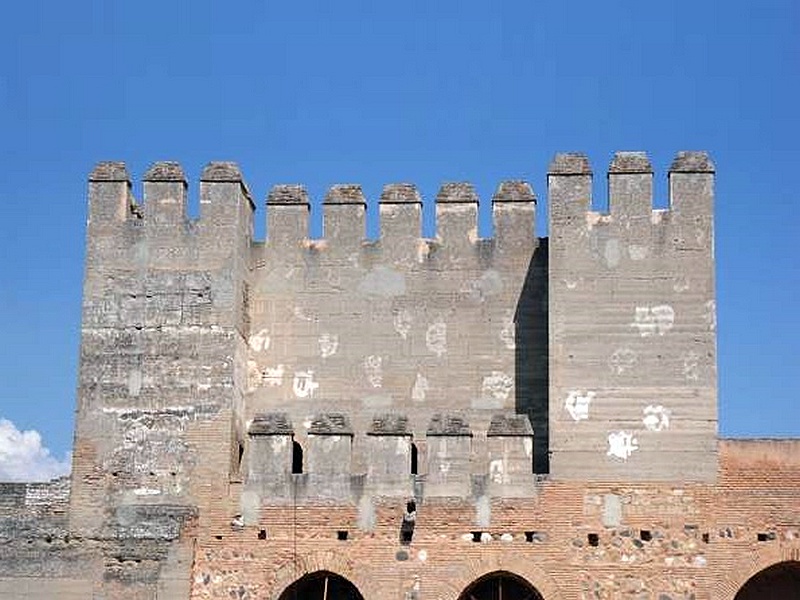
407	413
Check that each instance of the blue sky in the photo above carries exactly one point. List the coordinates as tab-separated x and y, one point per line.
376	92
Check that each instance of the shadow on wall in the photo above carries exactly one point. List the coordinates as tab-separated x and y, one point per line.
531	360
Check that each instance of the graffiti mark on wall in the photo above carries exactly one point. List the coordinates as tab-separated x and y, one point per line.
681	284
304	385
621	444
710	314
259	342
497	386
691	368
577	405
508	333
621	360
328	344
420	388
497	470
656	417
652	320
253	375
273	376
436	338
373	368
402	322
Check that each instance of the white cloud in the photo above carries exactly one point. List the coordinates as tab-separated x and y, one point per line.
24	458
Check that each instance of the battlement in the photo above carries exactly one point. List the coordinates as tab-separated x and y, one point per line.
630	184
162	211
313	463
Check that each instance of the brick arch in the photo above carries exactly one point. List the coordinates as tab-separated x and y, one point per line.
728	586
476	568
329	561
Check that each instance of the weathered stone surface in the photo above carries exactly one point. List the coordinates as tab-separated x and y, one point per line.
408	414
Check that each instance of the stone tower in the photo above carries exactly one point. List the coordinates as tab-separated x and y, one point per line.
633	385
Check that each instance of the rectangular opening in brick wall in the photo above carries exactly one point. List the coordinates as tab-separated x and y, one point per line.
765	536
262	534
341	535
476	536
705	538
594	539
645	535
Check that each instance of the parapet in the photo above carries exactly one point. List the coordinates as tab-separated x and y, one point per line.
226	209
630	188
163	209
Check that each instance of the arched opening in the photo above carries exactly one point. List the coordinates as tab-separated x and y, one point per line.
297	458
500	585
781	581
321	585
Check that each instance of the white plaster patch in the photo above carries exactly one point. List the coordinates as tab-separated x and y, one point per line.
273	376
506	537
571	283
279	443
577	405
497	385
652	320
637	252
436	338
402	322
302	314
486	537
260	342
253	375
373	369
621	360
497	470
710	314
612	253
304	385
422	555
508	332
328	344
621	444
681	284
527	444
691	366
420	388
143	491
467	537
656	417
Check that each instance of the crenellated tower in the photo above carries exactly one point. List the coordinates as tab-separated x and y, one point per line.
165	318
220	374
633	386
